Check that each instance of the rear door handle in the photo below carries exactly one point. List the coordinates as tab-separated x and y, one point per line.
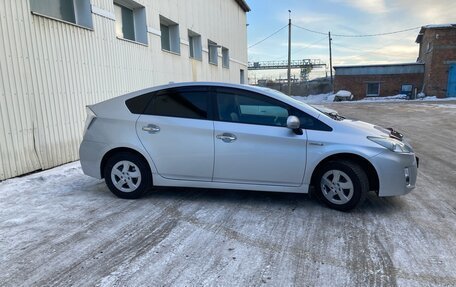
227	137
150	128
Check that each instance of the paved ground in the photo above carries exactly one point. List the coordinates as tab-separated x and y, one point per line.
61	228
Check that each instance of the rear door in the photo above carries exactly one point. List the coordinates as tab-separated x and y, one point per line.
253	144
177	132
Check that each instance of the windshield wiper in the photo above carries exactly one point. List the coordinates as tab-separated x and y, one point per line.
335	116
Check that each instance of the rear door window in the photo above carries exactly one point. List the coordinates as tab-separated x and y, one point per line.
191	103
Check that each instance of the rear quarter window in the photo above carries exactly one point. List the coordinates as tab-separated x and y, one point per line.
138	105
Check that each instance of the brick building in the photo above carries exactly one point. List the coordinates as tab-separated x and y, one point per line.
379	80
434	72
438	53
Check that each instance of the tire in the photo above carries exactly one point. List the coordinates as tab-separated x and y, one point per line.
341	185
127	175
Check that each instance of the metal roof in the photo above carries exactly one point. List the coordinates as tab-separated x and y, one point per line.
386	69
432	26
243	5
377	65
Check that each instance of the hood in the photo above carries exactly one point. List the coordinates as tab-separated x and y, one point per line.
367	129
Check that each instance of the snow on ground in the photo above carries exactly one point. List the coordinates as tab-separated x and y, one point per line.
329	98
316	99
62	228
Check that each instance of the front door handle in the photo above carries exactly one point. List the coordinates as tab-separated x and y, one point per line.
227	137
150	128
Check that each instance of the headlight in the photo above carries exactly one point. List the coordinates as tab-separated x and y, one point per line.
392	144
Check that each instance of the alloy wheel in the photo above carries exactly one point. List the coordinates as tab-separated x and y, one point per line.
126	176
337	187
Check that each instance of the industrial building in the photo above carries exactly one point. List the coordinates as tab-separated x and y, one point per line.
57	56
379	80
434	73
438	53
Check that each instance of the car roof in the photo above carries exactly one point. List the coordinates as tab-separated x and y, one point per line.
193	84
263	90
266	91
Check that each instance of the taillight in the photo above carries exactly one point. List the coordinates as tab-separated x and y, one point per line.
91	116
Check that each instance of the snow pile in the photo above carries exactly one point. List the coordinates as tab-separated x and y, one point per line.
402	98
316	99
341	95
344	94
439	26
420	95
389	98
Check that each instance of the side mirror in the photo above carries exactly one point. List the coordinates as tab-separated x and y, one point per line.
294	124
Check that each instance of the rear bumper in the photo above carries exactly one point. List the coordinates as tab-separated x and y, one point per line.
91	154
397	172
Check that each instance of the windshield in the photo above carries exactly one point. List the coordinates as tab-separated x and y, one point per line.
323	110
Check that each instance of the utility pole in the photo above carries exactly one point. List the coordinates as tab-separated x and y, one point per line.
330	59
289	52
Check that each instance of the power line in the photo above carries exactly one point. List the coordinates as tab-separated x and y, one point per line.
309	30
371	52
303	48
361	35
261	41
364	51
378	34
310	45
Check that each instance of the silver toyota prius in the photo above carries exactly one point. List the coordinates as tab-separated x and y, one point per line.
218	135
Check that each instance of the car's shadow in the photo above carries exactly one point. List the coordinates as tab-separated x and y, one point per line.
372	204
225	196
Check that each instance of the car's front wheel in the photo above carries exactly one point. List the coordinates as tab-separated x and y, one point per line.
341	185
127	175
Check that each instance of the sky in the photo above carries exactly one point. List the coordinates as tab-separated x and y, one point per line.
347	17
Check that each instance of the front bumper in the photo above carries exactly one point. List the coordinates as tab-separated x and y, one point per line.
397	172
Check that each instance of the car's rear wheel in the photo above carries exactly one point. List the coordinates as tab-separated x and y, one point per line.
341	185
127	175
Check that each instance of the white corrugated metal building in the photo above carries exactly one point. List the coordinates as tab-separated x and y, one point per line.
56	56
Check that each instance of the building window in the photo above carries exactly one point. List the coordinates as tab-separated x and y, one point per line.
373	89
225	57
429	47
213	53
125	27
242	76
170	40
130	21
73	11
194	40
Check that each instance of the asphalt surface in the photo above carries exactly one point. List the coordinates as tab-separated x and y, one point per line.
61	228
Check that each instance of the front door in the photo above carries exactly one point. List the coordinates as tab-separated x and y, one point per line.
176	132
253	144
452	81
